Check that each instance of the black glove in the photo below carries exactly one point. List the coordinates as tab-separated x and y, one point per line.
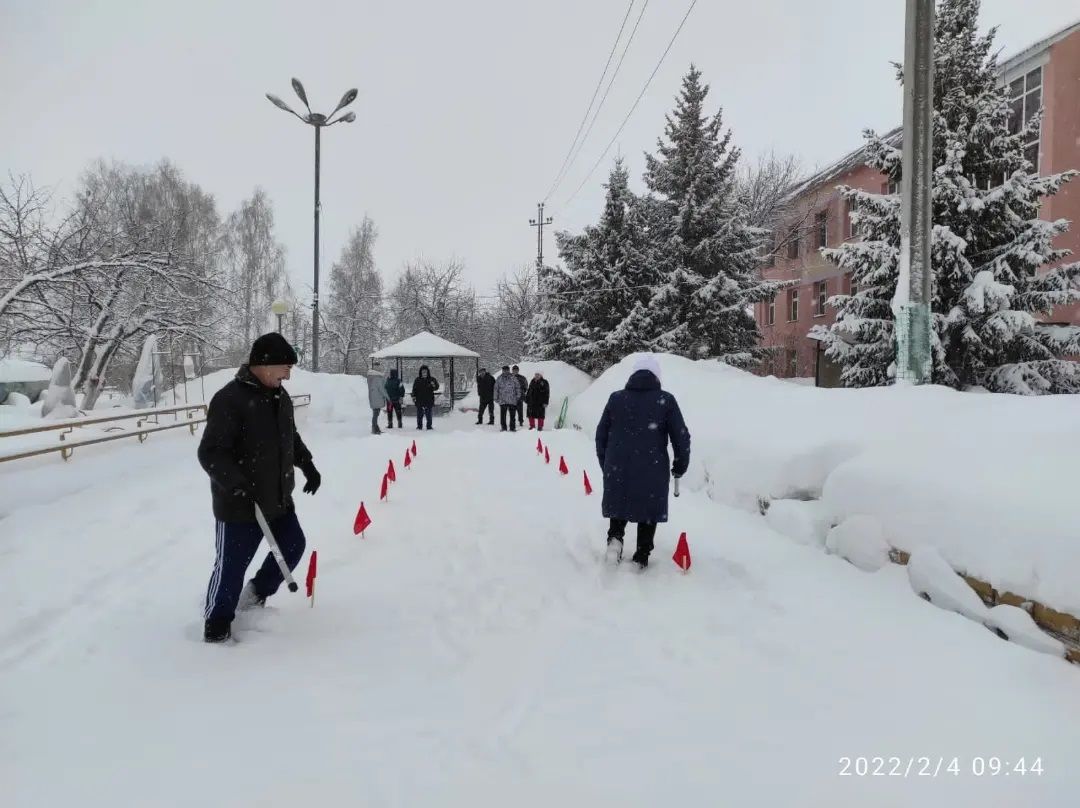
314	479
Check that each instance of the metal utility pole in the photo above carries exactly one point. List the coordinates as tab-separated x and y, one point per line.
539	222
319	122
911	303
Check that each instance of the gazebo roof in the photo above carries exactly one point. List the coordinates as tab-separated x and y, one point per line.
424	345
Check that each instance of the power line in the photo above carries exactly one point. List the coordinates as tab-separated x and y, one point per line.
634	107
603	98
588	109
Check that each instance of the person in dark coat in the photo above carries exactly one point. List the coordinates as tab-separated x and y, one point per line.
508	396
248	449
395	393
631	445
423	396
523	383
536	401
485	387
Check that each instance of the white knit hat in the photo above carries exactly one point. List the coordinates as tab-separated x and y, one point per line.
647	362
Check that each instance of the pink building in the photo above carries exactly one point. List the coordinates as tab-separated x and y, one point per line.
1045	75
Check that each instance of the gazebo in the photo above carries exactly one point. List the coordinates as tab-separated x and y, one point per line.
426	347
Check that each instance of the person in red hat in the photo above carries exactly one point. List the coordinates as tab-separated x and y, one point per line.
248	449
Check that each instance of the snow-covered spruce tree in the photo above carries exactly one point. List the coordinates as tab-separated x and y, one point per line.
988	243
609	269
702	243
547	331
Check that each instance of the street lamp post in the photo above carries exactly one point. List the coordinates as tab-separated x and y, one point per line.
317	121
280	308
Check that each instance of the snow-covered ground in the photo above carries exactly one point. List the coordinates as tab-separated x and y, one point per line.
472	650
989	481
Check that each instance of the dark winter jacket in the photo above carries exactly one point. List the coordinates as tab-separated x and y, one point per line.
485	387
395	390
631	445
423	389
507	390
537	397
523	383
251	443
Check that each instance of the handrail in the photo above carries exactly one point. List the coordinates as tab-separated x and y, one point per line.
67	448
68	423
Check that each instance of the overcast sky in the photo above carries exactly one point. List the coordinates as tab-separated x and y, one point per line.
466	109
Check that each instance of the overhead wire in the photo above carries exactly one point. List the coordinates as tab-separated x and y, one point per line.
641	95
588	109
603	98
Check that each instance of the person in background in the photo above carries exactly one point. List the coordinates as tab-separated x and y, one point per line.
485	388
631	445
523	383
508	396
536	401
423	396
395	394
377	397
248	450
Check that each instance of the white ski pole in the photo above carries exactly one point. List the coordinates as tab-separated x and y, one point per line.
274	549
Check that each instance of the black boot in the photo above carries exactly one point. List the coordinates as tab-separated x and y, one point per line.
217	630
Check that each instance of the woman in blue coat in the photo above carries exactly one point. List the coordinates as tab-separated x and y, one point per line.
631	444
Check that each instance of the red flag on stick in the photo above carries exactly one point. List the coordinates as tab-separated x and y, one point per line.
390	473
385	488
547	455
408	459
363	521
682	554
311	575
562	466
539	446
588	485
414	448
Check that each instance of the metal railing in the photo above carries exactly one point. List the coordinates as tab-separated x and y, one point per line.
195	414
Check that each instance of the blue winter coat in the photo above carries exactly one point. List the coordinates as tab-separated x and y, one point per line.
631	444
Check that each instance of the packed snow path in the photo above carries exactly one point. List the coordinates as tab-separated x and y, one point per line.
473	651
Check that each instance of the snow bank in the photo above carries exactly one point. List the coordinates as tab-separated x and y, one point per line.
335	397
20	370
988	480
806	521
860	540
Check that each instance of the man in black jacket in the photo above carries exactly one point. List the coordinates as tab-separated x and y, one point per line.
249	449
423	396
485	387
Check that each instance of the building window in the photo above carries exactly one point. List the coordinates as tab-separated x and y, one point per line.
821	225
793	244
793	363
891	187
771	314
1025	101
854	285
821	295
770	251
793	305
852	229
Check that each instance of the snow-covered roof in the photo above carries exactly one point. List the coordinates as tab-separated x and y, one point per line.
856	158
424	345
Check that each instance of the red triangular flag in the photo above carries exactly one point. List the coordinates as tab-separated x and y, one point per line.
547	456
682	554
363	521
414	448
539	446
384	489
562	465
588	485
311	573
408	459
390	473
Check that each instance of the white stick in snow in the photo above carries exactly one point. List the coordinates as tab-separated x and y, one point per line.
274	549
